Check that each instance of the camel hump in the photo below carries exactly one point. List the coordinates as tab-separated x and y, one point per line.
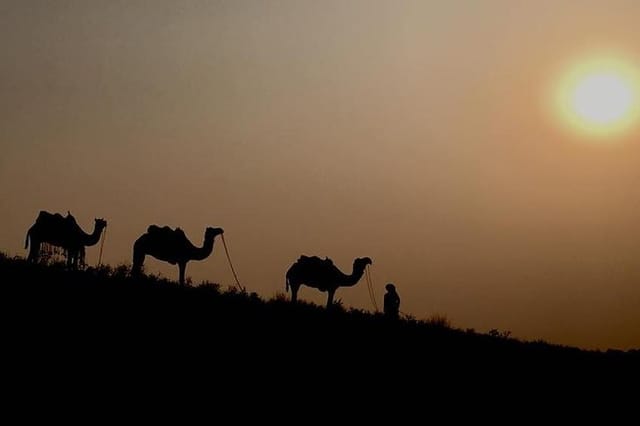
155	229
309	259
56	219
70	219
45	215
165	231
315	261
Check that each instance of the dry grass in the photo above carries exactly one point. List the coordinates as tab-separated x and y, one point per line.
438	320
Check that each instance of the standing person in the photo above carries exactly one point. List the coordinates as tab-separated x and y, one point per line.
391	302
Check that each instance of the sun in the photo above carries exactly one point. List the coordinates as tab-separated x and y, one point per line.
602	99
599	97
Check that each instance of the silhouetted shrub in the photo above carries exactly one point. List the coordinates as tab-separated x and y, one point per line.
499	334
438	320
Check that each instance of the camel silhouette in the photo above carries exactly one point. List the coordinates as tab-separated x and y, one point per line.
64	232
322	274
171	246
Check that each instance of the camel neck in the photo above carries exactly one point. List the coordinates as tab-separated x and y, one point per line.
355	276
94	237
203	252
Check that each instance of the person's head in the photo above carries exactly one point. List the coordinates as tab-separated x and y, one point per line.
390	287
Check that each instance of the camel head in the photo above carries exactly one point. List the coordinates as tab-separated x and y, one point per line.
100	224
362	262
212	232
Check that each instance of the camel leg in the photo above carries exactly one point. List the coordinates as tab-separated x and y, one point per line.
34	251
182	266
72	259
76	259
82	258
138	261
330	298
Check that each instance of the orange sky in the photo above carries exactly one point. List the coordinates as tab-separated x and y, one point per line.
412	132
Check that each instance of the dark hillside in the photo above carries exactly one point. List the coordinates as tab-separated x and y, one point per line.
102	320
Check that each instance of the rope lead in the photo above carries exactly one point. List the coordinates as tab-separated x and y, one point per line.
235	276
104	237
370	287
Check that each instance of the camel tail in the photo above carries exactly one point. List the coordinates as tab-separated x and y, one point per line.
26	240
287	280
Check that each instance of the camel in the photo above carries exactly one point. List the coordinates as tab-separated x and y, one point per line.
171	246
64	232
323	275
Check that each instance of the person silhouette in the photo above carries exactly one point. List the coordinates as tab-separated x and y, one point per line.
391	302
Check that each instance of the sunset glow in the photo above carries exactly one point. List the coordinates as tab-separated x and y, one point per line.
599	98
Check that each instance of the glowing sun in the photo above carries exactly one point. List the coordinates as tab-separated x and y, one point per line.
599	97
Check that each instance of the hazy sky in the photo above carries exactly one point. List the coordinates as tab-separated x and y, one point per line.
412	132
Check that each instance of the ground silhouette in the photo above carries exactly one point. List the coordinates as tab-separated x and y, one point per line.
322	274
64	232
171	246
102	330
